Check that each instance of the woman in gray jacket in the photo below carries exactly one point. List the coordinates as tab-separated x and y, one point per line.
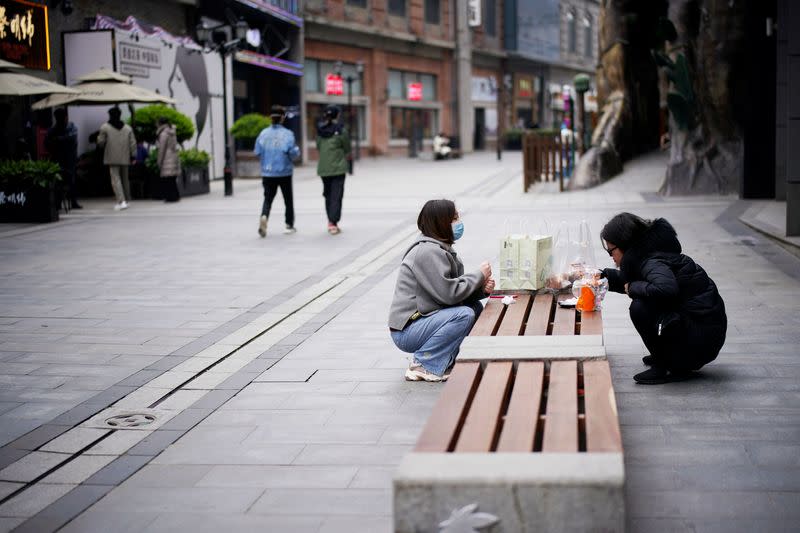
435	303
169	164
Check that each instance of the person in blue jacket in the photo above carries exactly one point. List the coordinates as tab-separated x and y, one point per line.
277	149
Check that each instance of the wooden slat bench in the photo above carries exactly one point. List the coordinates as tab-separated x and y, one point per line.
534	443
534	327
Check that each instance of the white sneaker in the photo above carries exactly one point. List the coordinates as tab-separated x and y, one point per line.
120	206
262	226
418	373
289	230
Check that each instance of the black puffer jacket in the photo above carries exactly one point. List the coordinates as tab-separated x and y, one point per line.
657	271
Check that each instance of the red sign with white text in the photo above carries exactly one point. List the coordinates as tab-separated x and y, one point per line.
334	85
415	91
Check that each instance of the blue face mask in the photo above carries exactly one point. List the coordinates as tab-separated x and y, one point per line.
458	230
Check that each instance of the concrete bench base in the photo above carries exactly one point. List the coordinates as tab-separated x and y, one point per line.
527	492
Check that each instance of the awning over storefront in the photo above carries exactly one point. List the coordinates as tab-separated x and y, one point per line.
269	62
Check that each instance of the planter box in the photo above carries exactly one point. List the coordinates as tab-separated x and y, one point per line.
193	181
34	204
248	165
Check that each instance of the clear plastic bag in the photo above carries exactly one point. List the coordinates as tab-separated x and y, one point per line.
590	290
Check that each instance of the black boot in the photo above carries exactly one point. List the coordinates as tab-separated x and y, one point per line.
657	376
648	360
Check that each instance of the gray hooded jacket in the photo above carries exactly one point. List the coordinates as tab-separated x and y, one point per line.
430	278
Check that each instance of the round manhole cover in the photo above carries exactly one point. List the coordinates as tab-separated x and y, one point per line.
132	420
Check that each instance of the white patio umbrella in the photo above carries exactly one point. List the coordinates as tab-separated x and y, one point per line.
18	84
104	87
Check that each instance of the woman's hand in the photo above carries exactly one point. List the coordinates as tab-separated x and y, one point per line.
626	288
488	287
486	270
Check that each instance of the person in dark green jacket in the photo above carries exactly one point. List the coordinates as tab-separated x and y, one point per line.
333	144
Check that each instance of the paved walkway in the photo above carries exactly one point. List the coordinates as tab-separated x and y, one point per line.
276	395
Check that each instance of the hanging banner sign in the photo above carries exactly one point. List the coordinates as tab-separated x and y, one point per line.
24	35
415	91
334	85
474	13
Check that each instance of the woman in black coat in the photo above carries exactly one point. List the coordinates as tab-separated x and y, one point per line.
675	305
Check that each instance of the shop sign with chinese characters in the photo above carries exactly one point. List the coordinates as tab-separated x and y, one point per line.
334	85
415	91
24	35
15	198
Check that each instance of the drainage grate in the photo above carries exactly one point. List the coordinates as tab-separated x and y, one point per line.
132	420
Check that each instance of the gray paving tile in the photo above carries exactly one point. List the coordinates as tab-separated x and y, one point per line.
177	476
156	442
197	500
292	477
348	524
324	454
38	437
98	522
267	454
7	487
233	523
118	470
33	500
187	419
324	502
31	466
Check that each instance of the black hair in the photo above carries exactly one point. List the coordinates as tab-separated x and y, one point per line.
115	113
624	229
331	112
163	120
435	220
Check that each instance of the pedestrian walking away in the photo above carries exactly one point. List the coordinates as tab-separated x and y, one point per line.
276	147
62	143
169	164
119	147
333	144
435	302
675	306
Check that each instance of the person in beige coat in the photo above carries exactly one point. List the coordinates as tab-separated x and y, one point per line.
169	164
119	147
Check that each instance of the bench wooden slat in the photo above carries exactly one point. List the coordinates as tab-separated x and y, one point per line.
515	315
591	323
483	419
486	324
602	427
564	322
539	317
561	423
519	427
448	414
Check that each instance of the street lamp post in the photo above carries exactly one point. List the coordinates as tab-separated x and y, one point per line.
350	79
215	39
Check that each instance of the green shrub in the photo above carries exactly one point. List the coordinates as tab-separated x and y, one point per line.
151	163
513	135
24	173
194	158
547	132
247	127
146	123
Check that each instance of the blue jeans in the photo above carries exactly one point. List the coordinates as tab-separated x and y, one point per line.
434	340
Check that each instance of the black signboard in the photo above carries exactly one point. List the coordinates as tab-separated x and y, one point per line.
24	34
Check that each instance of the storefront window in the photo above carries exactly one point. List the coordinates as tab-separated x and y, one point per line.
572	33
432	11
316	71
490	17
404	121
314	115
399	80
587	36
397	8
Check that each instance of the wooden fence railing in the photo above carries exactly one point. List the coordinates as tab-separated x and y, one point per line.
545	158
